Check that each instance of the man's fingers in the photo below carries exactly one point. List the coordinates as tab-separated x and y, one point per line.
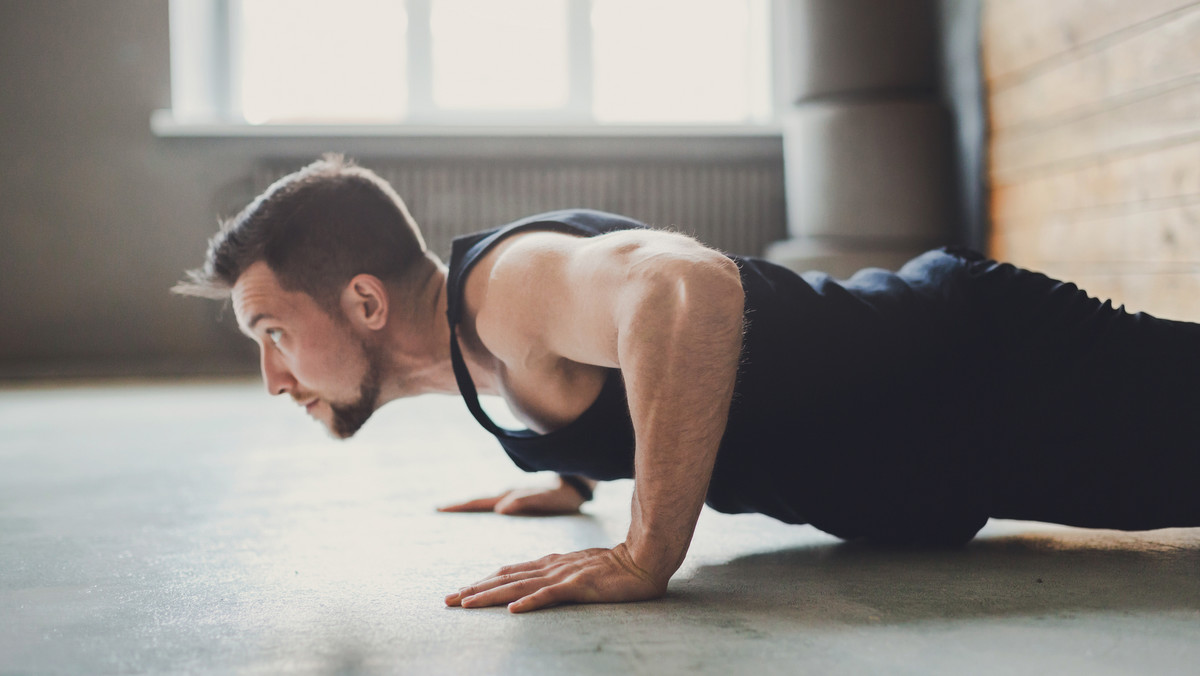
504	593
518	571
491	583
543	598
535	503
588	576
509	504
477	505
523	501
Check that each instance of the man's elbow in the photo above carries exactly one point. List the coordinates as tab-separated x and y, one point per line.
728	276
712	288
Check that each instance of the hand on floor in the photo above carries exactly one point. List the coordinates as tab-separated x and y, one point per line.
527	501
589	576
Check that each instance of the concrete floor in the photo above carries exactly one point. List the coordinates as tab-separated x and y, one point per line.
209	529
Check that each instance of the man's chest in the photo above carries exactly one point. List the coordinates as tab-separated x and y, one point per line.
552	398
544	392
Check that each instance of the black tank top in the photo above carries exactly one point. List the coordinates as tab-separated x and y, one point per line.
841	404
598	444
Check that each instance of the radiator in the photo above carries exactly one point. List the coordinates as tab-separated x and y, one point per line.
736	206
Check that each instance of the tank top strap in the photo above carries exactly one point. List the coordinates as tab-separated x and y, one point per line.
467	387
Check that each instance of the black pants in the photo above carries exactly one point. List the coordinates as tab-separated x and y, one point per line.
1096	411
913	406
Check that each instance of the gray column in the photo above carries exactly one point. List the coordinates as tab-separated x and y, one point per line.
868	152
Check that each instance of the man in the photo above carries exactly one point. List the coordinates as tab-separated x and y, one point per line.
904	408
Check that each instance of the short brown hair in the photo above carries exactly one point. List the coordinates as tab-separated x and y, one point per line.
316	229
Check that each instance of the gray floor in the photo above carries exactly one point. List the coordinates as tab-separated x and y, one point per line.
205	528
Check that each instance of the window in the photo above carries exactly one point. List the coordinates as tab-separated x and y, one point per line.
471	62
312	60
510	55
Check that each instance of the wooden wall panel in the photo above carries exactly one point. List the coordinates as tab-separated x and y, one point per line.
1094	109
1164	238
1161	119
1145	178
1023	33
1163	52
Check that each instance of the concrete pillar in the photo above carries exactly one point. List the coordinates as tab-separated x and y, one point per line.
868	153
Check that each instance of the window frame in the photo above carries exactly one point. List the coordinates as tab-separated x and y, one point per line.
205	87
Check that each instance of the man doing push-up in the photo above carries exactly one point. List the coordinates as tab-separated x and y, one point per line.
903	407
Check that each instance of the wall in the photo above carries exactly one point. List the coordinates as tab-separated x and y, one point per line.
1095	147
101	217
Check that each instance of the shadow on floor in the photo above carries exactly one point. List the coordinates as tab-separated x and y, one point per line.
1016	575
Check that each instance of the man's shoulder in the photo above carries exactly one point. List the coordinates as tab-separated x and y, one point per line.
513	282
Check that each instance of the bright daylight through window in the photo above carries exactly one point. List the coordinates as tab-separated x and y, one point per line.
484	62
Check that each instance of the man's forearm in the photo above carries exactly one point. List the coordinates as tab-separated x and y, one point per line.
680	354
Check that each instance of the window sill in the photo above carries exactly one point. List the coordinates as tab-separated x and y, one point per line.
164	125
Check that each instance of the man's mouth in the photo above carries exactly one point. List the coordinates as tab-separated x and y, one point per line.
311	406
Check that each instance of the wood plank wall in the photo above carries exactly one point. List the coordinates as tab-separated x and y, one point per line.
1094	111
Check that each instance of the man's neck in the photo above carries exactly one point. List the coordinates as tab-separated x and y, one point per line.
417	352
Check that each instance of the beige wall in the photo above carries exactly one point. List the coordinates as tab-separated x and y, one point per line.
1095	150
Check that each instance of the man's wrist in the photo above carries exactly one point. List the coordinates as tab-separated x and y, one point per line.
579	484
658	559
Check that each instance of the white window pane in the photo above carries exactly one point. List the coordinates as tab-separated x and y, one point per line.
677	60
323	60
489	54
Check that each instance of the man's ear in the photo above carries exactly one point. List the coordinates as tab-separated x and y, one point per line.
365	302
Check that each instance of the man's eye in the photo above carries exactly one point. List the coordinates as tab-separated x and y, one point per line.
274	335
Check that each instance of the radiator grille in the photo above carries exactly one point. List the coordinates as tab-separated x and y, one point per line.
735	206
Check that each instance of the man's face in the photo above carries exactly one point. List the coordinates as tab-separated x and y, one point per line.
307	354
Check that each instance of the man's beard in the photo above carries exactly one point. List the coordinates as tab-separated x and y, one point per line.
348	418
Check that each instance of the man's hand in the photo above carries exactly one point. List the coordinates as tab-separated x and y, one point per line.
525	501
589	576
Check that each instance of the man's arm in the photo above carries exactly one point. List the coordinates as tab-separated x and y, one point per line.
666	311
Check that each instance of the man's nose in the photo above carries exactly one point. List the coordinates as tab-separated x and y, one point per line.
277	377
